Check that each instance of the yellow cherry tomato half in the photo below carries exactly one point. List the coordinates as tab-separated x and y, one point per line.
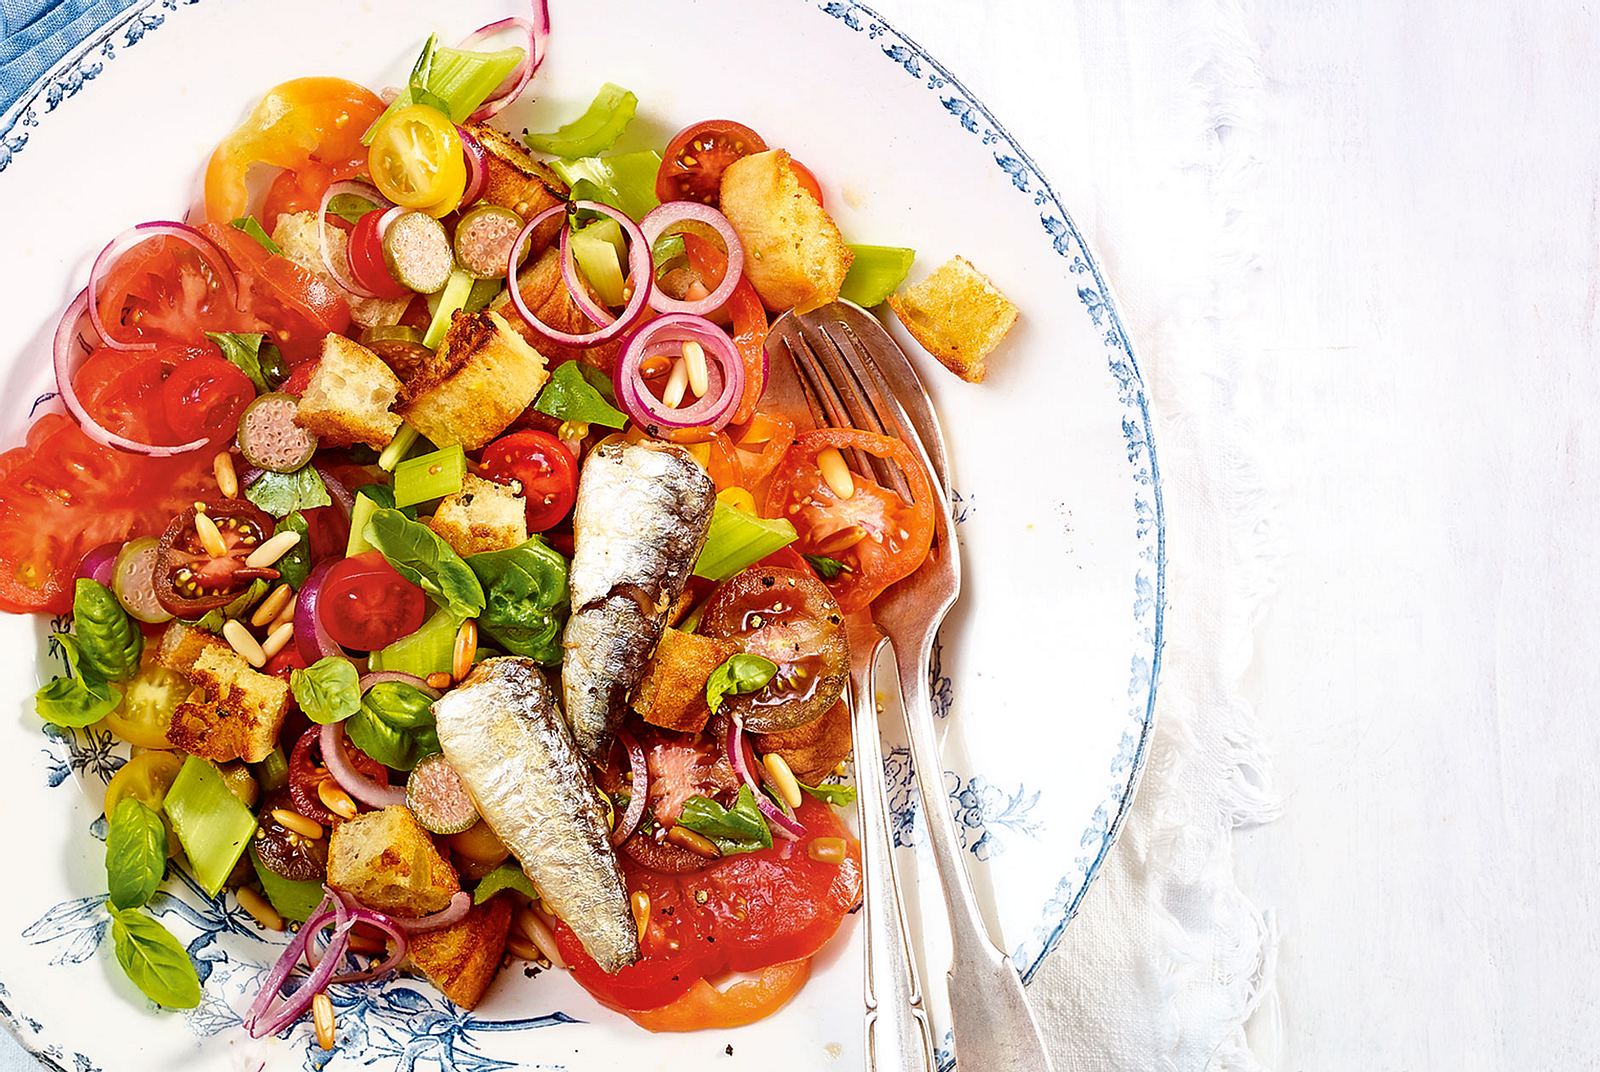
416	160
147	777
145	713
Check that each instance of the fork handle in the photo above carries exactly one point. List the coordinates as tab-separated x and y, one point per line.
993	1025
897	1034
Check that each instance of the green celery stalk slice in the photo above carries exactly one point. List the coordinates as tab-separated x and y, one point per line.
597	259
593	132
457	79
427	477
212	825
876	273
625	181
430	650
452	299
738	539
360	514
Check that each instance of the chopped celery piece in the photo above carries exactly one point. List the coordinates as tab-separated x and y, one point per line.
597	259
430	650
484	291
593	132
738	539
293	900
876	273
360	514
398	448
452	80
625	181
273	772
426	477
452	299
213	827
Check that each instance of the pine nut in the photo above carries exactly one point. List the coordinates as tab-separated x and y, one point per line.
655	365
362	941
523	949
677	385
831	463
572	430
285	615
210	535
439	680
683	837
466	649
293	820
782	778
694	357
275	548
278	639
272	606
842	540
227	477
640	902
738	497
259	907
322	1018
538	932
239	638
335	799
826	850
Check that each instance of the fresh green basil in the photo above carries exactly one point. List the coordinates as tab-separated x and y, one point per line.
295	566
281	494
508	876
828	568
420	556
154	960
243	351
569	396
742	673
328	690
212	620
82	697
395	725
525	598
668	253
840	796
136	853
249	226
593	132
741	828
350	207
107	636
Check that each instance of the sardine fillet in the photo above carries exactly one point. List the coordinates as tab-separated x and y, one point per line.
503	734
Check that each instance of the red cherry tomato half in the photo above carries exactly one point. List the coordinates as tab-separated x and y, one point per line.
692	166
367	605
541	465
203	398
807	179
366	258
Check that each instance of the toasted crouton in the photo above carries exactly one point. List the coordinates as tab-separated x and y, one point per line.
482	377
794	253
815	749
672	693
235	712
547	297
350	397
482	516
515	180
957	315
182	644
462	959
296	235
387	861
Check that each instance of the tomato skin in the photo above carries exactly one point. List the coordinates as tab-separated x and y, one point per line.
296	307
367	605
748	316
366	258
163	290
203	397
807	180
301	190
189	579
547	473
696	157
704	1007
122	390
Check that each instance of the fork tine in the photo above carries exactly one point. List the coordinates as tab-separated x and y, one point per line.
858	399
791	344
828	408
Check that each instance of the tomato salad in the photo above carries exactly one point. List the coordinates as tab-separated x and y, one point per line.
341	460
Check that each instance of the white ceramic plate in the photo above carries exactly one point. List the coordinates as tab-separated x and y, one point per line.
1048	669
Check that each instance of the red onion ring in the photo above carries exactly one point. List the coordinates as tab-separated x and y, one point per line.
100	564
655	224
310	635
477	166
387	219
143	233
351	780
638	267
378	677
372	918
69	357
343	276
261	1020
598	314
640	789
453	913
340	494
666	335
538	31
782	824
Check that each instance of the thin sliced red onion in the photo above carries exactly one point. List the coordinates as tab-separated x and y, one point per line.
640	789
262	1020
144	232
352	781
371	917
69	357
477	166
538	32
782	825
655	225
340	494
455	912
638	268
100	564
310	635
341	272
387	219
378	677
666	335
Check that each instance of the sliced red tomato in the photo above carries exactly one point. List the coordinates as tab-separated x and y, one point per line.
762	442
744	1002
879	537
743	913
192	578
301	190
297	307
696	157
285	662
307	771
367	605
162	289
744	311
122	390
203	397
367	263
541	466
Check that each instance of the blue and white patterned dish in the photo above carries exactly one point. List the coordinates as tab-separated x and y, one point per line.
1045	680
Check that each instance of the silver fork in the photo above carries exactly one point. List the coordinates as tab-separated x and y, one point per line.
855	375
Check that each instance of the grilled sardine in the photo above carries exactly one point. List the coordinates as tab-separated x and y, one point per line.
641	519
503	734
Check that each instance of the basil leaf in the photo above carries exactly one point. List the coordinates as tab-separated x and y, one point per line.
82	698
668	251
295	566
395	725
742	673
570	397
328	690
281	494
828	568
421	557
212	620
154	960
508	876
597	379
249	226
350	207
382	495
840	796
108	638
525	598
243	351
741	828
136	853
